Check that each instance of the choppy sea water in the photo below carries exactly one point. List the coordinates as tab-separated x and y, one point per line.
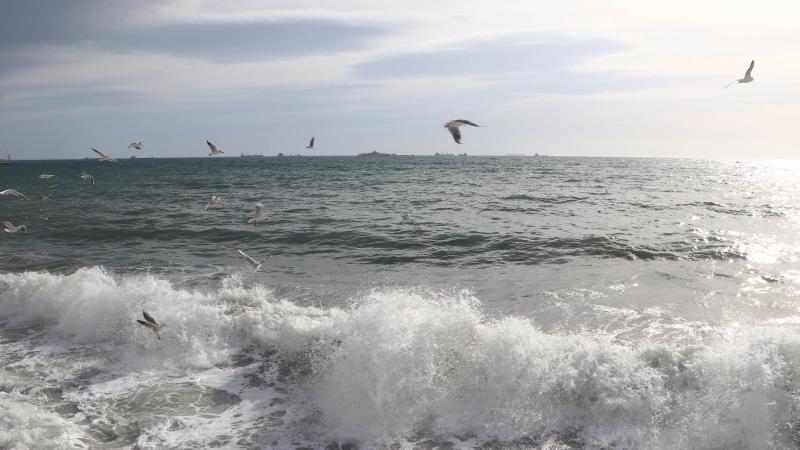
535	303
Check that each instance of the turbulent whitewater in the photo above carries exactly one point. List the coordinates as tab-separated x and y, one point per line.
535	303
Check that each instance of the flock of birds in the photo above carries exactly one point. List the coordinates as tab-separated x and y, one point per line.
215	201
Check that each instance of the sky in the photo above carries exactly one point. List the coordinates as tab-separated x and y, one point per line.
571	78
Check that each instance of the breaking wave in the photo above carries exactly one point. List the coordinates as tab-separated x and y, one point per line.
395	365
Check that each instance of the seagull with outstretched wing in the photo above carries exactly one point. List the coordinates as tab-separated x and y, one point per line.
151	323
13	193
453	127
11	228
213	150
748	76
103	156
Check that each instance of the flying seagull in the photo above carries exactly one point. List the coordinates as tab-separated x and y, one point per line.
214	202
13	193
45	176
747	75
253	262
151	323
213	150
135	145
11	228
453	125
311	144
407	219
86	176
103	156
258	216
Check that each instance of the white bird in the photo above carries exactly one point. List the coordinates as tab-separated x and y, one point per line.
45	176
135	145
213	150
253	262
86	176
747	75
407	219
214	202
103	156
11	228
13	193
151	323
311	144
453	125
258	215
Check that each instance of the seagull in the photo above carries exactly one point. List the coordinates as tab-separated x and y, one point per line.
452	127
151	323
214	202
311	144
258	215
103	156
45	176
253	262
213	150
11	228
747	75
86	176
135	145
13	193
407	219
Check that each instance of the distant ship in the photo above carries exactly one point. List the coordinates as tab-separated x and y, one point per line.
5	162
374	153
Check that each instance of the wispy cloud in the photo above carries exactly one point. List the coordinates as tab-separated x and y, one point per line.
511	54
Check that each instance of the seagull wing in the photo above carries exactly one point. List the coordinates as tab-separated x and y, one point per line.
248	257
728	85
311	144
256	264
465	122
750	69
149	318
211	146
131	145
453	129
8	225
154	328
17	193
102	155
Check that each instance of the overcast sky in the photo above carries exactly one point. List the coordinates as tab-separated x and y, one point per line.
573	77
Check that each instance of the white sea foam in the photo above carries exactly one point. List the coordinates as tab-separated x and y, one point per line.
395	365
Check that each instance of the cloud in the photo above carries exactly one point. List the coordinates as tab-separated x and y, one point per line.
250	41
516	54
121	26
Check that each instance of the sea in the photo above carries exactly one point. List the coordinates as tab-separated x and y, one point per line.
534	303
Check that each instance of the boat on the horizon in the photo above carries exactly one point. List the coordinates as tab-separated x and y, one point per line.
7	161
374	153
